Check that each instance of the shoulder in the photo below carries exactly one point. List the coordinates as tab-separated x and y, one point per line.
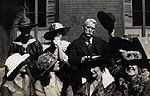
75	42
98	39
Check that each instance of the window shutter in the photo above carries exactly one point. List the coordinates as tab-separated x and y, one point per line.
51	11
128	13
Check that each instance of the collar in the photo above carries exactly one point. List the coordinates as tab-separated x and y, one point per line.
30	41
87	40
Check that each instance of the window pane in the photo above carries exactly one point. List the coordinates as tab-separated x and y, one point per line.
137	12
147	8
47	11
42	13
31	6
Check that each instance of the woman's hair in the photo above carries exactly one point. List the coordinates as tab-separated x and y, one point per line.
51	48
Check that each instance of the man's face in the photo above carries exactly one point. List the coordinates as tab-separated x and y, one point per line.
132	70
96	72
89	29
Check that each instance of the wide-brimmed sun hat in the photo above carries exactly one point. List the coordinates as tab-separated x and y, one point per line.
14	61
142	63
54	29
107	20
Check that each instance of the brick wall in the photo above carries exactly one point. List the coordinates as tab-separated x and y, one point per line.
74	12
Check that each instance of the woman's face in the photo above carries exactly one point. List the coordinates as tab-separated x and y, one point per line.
58	37
132	70
96	72
25	30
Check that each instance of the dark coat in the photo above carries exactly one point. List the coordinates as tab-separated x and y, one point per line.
33	47
76	50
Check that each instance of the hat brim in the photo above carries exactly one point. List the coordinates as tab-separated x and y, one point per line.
26	25
106	19
51	34
142	63
97	62
118	43
25	56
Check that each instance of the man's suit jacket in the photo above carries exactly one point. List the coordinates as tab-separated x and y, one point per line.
78	48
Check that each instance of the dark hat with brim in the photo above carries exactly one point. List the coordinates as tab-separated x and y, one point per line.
26	25
97	62
25	22
118	43
54	30
106	19
142	63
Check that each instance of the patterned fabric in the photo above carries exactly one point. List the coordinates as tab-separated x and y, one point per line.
46	60
132	87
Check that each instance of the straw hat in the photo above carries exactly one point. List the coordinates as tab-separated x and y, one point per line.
54	29
14	61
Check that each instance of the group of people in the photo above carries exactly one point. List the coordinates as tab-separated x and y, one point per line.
87	66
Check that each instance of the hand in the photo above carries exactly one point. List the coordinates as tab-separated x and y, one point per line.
85	58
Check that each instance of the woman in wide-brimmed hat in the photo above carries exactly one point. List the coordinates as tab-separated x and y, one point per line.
135	78
18	78
26	43
54	63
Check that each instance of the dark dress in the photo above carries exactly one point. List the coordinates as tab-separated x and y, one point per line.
33	47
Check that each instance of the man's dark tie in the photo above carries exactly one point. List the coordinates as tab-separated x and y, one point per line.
89	45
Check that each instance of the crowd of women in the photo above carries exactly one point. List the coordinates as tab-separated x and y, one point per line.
87	66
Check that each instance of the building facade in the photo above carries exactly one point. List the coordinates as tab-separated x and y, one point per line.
130	18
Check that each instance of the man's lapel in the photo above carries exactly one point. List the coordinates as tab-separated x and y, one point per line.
83	46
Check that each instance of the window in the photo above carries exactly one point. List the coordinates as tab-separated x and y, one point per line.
47	11
133	12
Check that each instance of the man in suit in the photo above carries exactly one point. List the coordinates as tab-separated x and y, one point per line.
83	50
